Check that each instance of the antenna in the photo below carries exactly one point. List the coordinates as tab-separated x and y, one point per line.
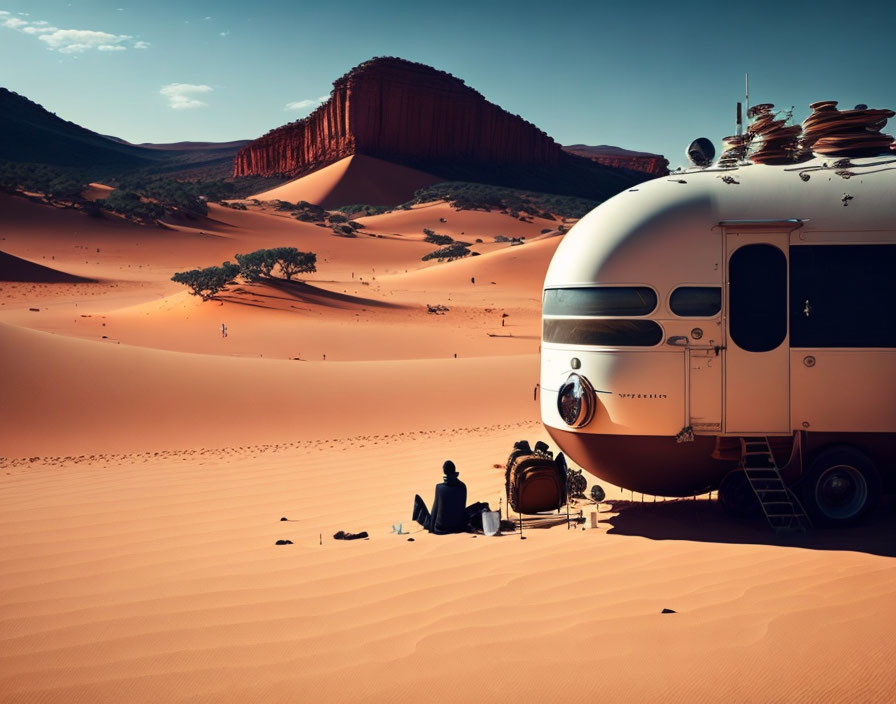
747	81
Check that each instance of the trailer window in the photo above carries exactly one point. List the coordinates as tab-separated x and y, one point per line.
758	297
843	295
600	300
605	333
696	301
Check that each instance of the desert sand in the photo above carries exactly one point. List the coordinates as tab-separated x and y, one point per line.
148	461
353	180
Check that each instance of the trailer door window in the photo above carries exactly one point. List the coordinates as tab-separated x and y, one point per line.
843	295
600	300
758	297
696	301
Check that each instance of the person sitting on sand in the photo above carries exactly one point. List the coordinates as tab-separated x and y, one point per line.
448	507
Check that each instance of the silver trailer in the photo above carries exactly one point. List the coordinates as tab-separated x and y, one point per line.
696	312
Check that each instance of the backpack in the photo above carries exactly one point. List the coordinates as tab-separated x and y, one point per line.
533	480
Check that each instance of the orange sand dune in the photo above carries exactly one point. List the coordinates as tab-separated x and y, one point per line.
154	577
354	180
520	268
145	468
466	225
67	396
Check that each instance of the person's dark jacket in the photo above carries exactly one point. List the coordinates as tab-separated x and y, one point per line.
448	508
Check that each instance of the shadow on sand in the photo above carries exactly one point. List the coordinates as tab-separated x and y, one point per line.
704	521
274	290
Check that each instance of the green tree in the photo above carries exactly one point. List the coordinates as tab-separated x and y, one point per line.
208	282
251	264
292	261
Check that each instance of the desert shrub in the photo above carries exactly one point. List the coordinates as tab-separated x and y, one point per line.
337	218
131	204
363	209
54	181
208	282
355	225
502	238
480	196
284	205
433	238
66	186
344	231
455	250
478	241
546	230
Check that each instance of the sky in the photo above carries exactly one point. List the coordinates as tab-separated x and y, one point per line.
648	76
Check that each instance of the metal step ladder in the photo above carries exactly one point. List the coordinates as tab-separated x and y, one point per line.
781	507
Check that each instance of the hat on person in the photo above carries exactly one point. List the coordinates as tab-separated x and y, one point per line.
449	469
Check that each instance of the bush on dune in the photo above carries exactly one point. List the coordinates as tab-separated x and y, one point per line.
456	250
131	204
480	196
208	282
363	209
434	238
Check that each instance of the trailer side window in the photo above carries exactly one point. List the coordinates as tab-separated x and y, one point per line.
696	301
758	297
605	333
600	300
843	295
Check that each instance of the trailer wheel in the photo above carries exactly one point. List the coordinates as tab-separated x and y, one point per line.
841	487
737	496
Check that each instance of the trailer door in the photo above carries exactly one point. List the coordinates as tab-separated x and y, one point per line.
757	357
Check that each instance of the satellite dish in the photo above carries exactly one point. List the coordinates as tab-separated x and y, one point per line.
701	152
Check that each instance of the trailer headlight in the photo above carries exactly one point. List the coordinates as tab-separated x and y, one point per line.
575	401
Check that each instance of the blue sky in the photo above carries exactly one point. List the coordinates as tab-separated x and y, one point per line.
640	75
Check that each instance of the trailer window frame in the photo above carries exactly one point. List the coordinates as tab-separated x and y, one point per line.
571	307
717	304
602	332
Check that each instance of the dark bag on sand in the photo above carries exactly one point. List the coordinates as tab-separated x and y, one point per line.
534	481
474	515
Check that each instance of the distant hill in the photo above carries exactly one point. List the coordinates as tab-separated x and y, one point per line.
415	115
31	134
652	164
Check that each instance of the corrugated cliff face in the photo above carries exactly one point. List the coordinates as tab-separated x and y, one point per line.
618	158
322	137
392	108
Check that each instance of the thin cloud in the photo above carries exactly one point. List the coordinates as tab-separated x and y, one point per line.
75	41
15	23
307	103
225	33
182	96
70	41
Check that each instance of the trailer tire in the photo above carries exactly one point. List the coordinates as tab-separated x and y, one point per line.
737	497
841	487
